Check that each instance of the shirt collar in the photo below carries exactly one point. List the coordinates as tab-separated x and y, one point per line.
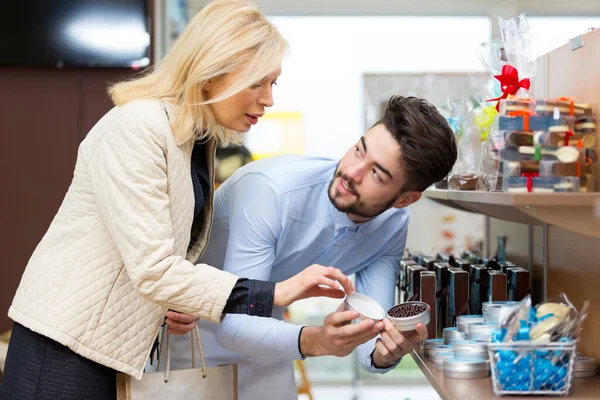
342	221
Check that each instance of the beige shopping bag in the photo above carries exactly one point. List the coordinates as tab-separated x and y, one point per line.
214	383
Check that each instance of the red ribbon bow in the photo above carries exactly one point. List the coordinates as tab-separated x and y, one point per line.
510	83
530	176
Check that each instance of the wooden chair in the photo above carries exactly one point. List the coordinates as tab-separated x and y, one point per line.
304	387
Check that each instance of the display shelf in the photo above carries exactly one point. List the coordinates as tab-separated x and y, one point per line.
460	389
574	212
441	196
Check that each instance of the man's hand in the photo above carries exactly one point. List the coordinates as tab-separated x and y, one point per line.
393	345
338	337
314	281
180	324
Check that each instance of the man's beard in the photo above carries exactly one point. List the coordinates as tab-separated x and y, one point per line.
357	207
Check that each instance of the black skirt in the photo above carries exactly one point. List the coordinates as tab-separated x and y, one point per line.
38	368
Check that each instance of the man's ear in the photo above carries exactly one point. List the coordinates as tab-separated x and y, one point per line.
406	199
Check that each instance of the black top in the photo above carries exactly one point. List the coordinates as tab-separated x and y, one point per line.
248	296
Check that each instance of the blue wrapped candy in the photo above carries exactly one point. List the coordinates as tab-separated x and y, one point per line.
498	335
505	369
533	316
544	317
507	355
544	370
560	357
523	333
559	379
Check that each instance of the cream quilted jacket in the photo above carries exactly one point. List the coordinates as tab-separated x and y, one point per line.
116	255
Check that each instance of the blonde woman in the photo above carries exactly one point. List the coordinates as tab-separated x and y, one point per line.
120	252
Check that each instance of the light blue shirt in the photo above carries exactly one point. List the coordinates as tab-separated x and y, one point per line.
272	219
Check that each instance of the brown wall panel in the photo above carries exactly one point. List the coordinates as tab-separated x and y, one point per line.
44	115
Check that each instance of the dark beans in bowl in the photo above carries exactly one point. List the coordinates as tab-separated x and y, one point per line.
407	310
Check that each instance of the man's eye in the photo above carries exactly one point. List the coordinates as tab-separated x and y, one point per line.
376	175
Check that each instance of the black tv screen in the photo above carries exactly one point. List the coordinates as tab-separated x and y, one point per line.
64	33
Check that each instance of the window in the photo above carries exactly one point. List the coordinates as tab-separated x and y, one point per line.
553	32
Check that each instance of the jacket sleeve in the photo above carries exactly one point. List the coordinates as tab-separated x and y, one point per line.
128	173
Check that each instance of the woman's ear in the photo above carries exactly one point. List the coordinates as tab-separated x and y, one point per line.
208	85
406	199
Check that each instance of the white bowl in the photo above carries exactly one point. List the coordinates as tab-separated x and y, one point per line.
365	306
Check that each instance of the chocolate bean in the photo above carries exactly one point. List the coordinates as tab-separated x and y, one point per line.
407	310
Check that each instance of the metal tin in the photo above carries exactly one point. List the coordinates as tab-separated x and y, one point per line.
438	349
438	360
458	368
365	306
429	344
453	334
585	367
463	321
481	331
493	309
410	323
471	350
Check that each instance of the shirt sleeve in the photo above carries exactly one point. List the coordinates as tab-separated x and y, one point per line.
378	281
253	223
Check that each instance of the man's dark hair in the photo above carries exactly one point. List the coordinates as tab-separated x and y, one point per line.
427	144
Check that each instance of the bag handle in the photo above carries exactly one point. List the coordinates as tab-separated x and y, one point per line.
194	333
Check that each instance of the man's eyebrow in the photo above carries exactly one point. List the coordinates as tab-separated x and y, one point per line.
385	171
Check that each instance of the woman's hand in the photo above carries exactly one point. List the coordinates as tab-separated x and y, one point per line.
180	324
314	281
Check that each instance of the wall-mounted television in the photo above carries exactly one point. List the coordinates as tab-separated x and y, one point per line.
74	33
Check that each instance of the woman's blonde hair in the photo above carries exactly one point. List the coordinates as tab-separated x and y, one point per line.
226	36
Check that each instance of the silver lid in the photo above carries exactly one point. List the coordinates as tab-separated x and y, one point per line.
462	365
440	349
452	333
433	354
480	373
440	357
429	343
469	318
585	364
365	306
482	327
496	304
493	310
463	322
584	374
471	346
483	337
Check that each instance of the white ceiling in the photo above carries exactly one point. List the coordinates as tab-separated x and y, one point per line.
504	8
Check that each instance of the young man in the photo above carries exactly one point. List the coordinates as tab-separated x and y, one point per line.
275	217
